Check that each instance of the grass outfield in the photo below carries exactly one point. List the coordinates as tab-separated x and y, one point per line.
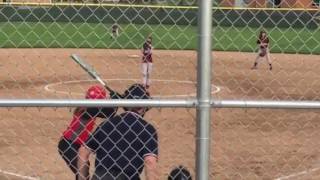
86	35
304	41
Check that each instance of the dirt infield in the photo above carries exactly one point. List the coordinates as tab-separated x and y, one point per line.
247	143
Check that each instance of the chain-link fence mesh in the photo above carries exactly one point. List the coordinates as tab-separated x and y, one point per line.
30	138
257	143
265	144
37	41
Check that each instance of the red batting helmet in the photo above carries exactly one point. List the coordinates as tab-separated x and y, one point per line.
96	92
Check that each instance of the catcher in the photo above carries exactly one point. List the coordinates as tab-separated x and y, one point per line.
82	124
263	43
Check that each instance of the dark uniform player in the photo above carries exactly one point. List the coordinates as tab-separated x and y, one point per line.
81	126
263	43
147	62
123	144
115	30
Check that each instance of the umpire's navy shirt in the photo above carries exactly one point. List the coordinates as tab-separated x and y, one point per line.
121	144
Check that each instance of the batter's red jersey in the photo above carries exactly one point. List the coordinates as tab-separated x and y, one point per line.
147	53
82	123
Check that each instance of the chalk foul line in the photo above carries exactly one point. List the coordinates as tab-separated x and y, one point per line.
19	175
298	174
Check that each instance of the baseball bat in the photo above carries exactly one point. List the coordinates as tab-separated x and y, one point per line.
90	70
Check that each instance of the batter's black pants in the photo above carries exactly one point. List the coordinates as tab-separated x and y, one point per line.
69	152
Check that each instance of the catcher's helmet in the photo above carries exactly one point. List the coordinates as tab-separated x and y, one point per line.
96	92
180	173
136	91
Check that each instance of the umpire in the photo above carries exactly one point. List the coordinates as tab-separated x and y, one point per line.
123	145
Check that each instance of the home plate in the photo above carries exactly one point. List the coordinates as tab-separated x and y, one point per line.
133	56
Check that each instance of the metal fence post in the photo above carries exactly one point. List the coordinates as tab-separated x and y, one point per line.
203	90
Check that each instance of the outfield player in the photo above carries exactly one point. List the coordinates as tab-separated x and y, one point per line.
147	62
124	145
115	30
263	43
81	126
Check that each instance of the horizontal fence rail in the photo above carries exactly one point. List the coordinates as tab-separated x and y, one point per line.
191	103
96	103
154	6
266	104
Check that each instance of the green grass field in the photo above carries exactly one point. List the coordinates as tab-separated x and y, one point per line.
290	40
86	35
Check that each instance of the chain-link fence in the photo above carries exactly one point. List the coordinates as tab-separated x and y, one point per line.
37	42
265	143
154	43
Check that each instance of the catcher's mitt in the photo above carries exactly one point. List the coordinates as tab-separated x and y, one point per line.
263	52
